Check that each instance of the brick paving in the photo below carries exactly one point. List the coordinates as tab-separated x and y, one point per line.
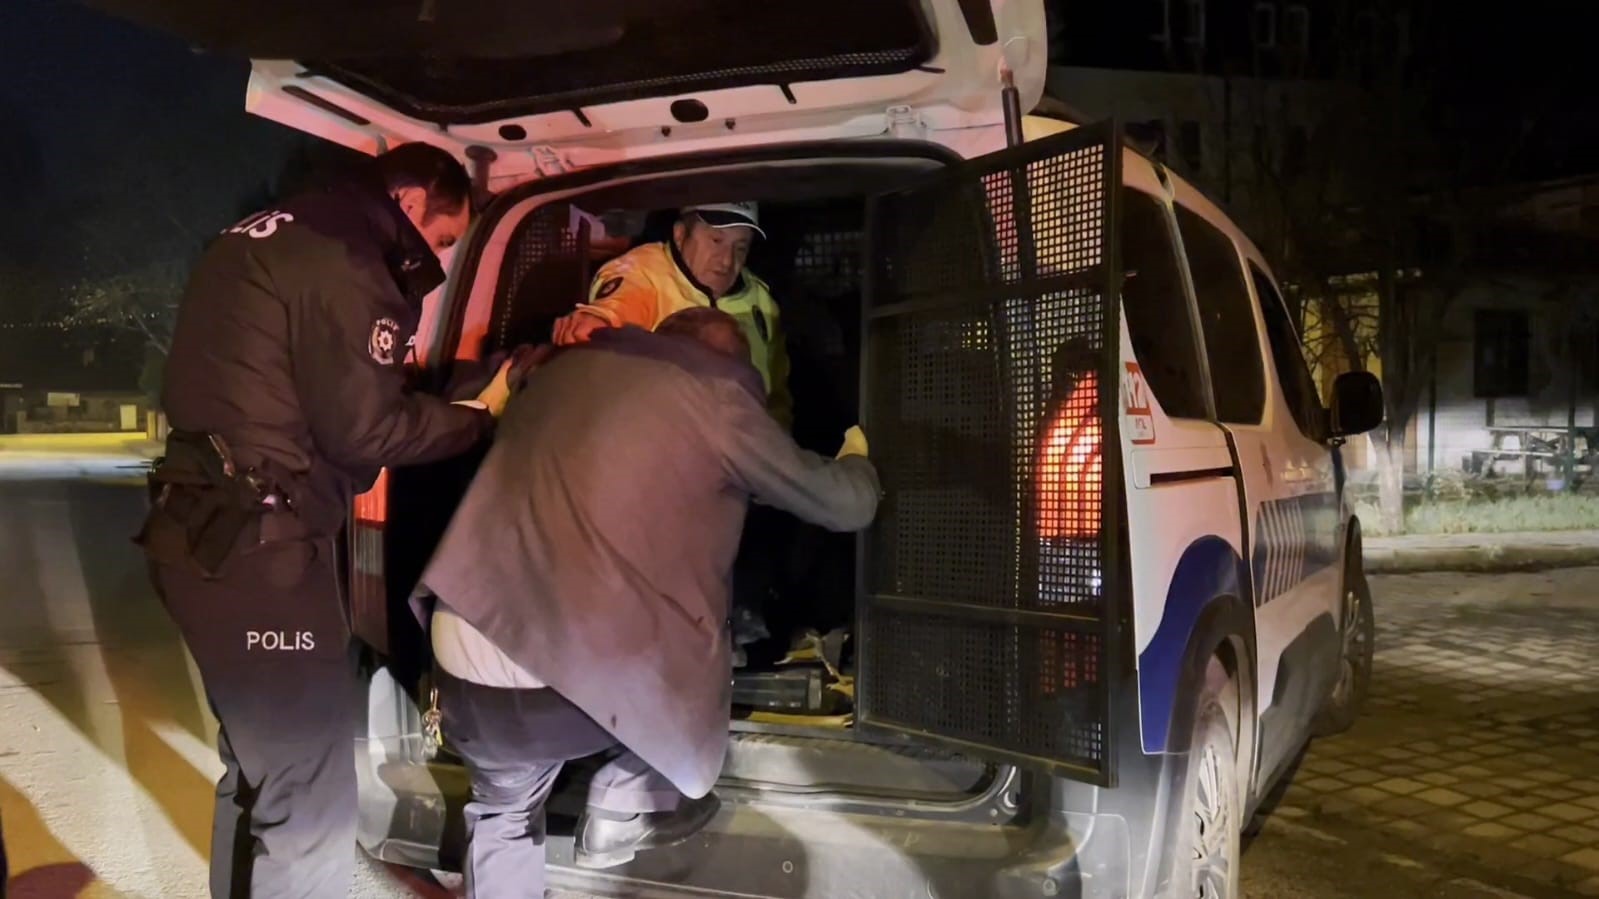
1481	736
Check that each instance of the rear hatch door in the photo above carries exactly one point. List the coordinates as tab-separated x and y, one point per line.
547	86
990	586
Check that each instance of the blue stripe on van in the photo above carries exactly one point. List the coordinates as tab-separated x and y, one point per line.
1295	537
1209	568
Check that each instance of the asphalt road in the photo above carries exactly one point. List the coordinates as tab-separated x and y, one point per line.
107	759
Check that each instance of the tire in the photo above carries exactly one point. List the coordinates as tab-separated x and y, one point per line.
1209	846
1357	641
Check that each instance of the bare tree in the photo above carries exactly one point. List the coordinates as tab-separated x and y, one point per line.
1371	225
144	215
143	302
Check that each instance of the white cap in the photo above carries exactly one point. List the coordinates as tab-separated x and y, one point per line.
729	215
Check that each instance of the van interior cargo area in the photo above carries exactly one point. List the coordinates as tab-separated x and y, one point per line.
795	654
812	258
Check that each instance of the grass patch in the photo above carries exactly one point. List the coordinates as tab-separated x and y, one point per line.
1553	512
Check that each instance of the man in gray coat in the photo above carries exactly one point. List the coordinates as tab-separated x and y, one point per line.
582	587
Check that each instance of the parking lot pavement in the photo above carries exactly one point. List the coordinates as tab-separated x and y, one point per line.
1480	745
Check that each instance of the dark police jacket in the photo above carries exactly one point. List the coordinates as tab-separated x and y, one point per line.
290	341
596	543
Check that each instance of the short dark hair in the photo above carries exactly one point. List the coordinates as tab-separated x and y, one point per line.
448	186
712	327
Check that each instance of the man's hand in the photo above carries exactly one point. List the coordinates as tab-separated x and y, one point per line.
524	360
576	327
498	392
854	443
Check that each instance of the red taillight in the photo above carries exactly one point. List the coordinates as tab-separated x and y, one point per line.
368	587
1071	467
372	507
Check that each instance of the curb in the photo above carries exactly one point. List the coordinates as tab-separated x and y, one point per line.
1480	559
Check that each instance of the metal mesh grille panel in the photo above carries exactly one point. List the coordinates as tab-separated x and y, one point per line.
828	261
989	335
542	278
1032	690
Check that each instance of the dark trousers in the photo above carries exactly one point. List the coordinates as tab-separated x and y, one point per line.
757	572
514	743
272	647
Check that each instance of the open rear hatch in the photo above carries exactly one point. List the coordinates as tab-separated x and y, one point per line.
542	87
990	588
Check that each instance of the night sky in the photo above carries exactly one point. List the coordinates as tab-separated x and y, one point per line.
107	118
1528	63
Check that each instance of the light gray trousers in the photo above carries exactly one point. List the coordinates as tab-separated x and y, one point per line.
515	743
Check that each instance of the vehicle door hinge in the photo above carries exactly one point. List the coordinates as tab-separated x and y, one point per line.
906	122
549	161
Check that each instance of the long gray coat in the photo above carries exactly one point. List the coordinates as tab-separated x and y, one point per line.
596	544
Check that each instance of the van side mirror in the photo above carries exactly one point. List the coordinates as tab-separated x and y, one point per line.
1356	404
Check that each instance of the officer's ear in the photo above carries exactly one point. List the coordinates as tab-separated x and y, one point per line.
681	229
413	201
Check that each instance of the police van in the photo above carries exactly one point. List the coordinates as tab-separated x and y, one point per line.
1114	585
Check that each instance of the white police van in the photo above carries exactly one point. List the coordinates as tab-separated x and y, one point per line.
1114	586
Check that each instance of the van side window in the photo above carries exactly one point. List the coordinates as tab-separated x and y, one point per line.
1299	388
1231	342
1157	308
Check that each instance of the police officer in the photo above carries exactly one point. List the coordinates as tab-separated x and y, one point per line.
286	394
702	265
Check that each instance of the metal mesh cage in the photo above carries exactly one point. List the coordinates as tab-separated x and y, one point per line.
989	569
544	275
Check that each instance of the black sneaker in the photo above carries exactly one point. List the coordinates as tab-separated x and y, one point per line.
606	842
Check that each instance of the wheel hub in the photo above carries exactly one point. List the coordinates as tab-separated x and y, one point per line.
1212	828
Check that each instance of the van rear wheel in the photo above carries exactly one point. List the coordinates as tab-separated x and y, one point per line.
1209	843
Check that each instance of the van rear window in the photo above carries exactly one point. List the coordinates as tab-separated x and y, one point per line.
1232	342
1157	308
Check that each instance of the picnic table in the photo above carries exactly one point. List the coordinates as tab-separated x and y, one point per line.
1537	446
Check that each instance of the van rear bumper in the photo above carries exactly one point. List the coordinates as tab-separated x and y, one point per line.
785	852
778	847
749	851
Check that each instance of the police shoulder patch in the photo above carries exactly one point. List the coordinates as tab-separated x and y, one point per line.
380	345
262	224
609	287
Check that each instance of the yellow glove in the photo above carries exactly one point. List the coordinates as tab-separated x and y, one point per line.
494	396
854	443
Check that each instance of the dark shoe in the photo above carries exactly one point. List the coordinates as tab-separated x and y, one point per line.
606	843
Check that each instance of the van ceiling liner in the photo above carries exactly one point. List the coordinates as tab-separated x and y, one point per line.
473	61
767	182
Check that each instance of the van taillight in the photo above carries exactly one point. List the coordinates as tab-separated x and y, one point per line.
1071	467
368	588
372	507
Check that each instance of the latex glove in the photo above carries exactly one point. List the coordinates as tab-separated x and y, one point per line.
498	392
854	443
576	327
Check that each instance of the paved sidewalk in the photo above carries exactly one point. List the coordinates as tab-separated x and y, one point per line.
37	446
1480	740
55	456
1484	553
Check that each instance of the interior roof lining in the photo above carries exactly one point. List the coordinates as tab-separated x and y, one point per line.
770	182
